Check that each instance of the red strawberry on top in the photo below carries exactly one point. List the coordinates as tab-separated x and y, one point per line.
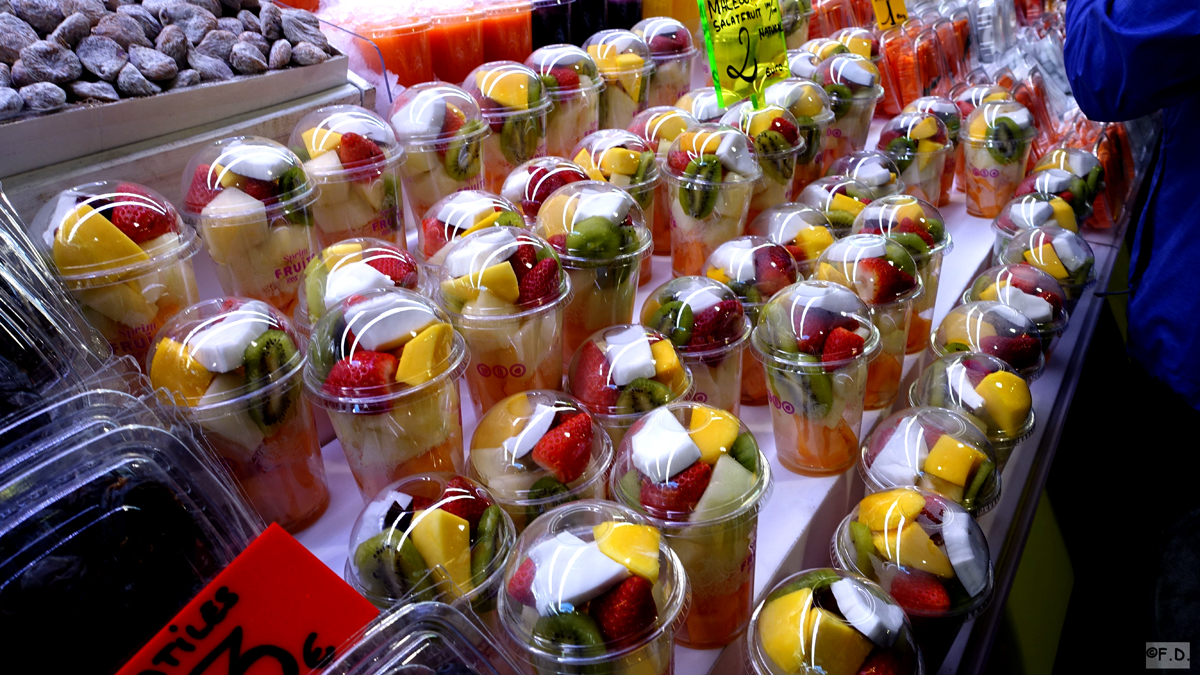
976	371
1023	284
435	236
881	282
358	374
919	591
678	160
667	43
263	190
453	120
908	226
559	242
523	260
566	449
402	272
361	154
567	78
774	268
520	584
141	218
678	496
1056	304
201	191
463	500
539	283
881	662
1019	352
626	610
717	323
786	129
798	253
815	326
842	345
590	382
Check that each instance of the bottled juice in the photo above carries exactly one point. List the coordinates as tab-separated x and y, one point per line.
507	31
404	44
622	13
456	43
587	19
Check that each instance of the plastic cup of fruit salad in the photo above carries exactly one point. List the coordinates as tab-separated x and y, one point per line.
840	199
624	61
352	154
983	389
815	340
124	255
873	169
809	105
531	183
251	200
1062	184
937	450
919	144
832	620
885	277
801	62
457	215
351	267
574	86
824	47
705	321
593	586
670	44
889	537
696	472
860	41
537	450
1080	163
967	98
624	159
442	132
778	146
514	104
852	83
992	328
702	104
996	146
711	172
385	365
796	16
919	227
1064	255
948	113
801	229
755	269
601	237
624	372
659	126
506	292
235	366
1027	212
1029	290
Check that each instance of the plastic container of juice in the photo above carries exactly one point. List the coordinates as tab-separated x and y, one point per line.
574	86
507	30
901	71
624	61
936	78
551	21
456	39
404	42
671	48
831	16
810	105
514	104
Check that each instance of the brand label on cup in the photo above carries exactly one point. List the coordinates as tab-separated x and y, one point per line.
889	13
501	371
747	50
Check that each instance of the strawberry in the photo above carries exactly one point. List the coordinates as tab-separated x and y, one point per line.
717	323
420	503
201	191
520	584
453	120
1019	352
363	370
523	260
786	129
626	610
816	325
908	226
590	382
1021	283
797	252
841	345
359	152
664	43
142	219
263	190
881	662
462	499
559	242
1056	304
934	507
435	236
539	283
678	160
402	272
567	78
566	449
774	268
880	282
543	183
919	591
677	496
976	371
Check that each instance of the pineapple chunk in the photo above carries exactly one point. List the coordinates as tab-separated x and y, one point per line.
634	546
122	303
86	240
444	541
342	254
713	431
884	510
232	223
500	279
424	357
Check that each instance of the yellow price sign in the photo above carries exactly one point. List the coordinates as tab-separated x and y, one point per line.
890	13
746	47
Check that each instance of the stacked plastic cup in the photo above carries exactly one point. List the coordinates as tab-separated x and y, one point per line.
1029	290
778	146
992	328
1064	255
874	169
350	267
670	45
852	83
996	147
801	229
809	105
624	61
920	145
659	126
514	104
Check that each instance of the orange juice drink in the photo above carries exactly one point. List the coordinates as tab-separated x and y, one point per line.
507	30
456	40
404	43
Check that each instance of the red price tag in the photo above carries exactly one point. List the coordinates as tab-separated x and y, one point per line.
275	609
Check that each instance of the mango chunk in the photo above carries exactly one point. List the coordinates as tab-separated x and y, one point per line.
1045	259
424	357
782	629
667	368
87	241
813	241
444	541
886	510
174	369
841	202
634	546
318	141
1006	399
912	547
837	648
953	461
713	431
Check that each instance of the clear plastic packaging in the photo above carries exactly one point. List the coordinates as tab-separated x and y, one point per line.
853	85
995	152
457	215
1031	291
945	110
1027	212
574	86
968	97
1064	255
349	267
778	146
900	69
531	183
1081	164
1062	184
702	104
801	229
514	104
796	17
809	105
659	126
840	199
873	169
861	41
671	47
992	328
920	145
801	62
624	61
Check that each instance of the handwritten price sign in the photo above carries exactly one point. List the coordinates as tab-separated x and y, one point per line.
890	13
747	49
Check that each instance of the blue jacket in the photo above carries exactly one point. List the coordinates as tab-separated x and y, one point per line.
1126	59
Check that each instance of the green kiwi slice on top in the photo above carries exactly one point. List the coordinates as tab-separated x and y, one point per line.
1005	141
268	359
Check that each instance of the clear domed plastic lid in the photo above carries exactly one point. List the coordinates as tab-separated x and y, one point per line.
935	449
913	223
565	70
619	52
923	549
1028	289
992	328
1034	210
661	123
793	11
345	142
110	230
910	136
860	41
878	269
505	89
840	198
459	214
713	154
971	97
829	616
219	350
627	370
1062	254
351	267
435	113
847	76
982	388
702	104
801	229
695	444
773	129
667	38
825	47
1078	162
378	345
517	451
1062	184
500	271
754	268
574	563
617	156
873	169
239	175
428	536
1000	122
943	108
802	63
532	182
697	314
795	326
805	99
591	223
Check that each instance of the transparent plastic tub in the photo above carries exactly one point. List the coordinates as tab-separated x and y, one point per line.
349	267
860	40
531	183
514	104
840	199
967	97
625	63
945	110
920	146
1029	290
992	328
670	44
1027	212
796	17
574	86
809	105
702	104
1080	163
801	229
1062	254
778	146
457	215
1062	184
802	63
874	169
996	148
659	127
853	85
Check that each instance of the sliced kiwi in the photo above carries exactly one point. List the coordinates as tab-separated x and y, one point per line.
391	195
955	346
697	199
675	320
509	219
773	156
389	566
290	182
1094	178
268	358
839	99
487	535
645	164
982	474
903	263
841	222
864	547
594	238
541	489
818	389
1080	276
315	275
1004	141
936	228
1081	197
520	137
642	395
815	580
748	292
574	629
914	243
631	484
462	160
745	451
902	151
810	133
